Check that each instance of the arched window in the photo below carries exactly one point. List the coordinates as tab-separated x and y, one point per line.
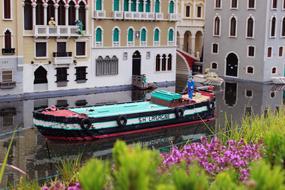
187	11
269	52
163	65
99	35
251	4
171	35
116	5
250	27
82	14
71	13
234	4
218	4
130	35
171	7
61	13
7	9
157	63
148	6
156	35
8	40
40	76
273	27
28	15
126	5
141	4
98	5
116	37
283	27
217	26
214	65
143	35
233	27
157	6
280	51
133	5
50	10
274	70
39	13
169	62
250	70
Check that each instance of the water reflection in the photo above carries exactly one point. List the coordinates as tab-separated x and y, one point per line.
33	154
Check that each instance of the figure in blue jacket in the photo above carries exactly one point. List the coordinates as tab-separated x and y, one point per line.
191	85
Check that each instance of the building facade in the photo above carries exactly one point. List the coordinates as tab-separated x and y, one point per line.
190	28
245	39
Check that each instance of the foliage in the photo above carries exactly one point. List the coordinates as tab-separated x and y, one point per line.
25	184
68	169
266	177
226	181
94	175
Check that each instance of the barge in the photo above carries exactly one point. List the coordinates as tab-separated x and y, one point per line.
164	110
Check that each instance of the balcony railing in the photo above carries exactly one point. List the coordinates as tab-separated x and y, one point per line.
143	43
62	58
98	44
137	15
150	16
158	16
156	43
116	44
118	15
171	43
8	51
131	44
128	15
56	31
173	17
7	85
99	14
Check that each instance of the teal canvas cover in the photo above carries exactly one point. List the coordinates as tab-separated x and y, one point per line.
165	95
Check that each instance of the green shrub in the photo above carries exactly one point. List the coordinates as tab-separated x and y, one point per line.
25	184
68	169
226	180
94	175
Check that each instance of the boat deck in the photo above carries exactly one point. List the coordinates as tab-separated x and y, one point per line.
118	109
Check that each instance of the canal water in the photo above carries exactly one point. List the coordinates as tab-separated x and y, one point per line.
39	158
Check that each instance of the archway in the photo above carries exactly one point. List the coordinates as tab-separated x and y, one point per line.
232	65
178	40
198	44
40	76
136	63
187	42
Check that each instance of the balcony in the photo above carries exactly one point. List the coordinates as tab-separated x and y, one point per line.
128	15
57	31
136	15
171	43
158	16
7	85
99	14
62	58
173	17
143	43
131	44
98	44
118	15
156	43
150	16
8	51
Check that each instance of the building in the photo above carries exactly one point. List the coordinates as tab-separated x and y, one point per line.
133	37
244	39
11	57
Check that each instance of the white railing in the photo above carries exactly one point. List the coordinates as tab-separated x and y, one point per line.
156	43
143	16
116	44
56	31
136	15
118	15
173	17
158	16
171	43
63	60
150	16
98	44
143	43
99	14
128	15
131	44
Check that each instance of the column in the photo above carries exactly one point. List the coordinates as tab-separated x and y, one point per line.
76	12
66	14
34	13
194	9
45	13
130	5
56	13
181	42
137	5
144	5
122	5
193	41
87	19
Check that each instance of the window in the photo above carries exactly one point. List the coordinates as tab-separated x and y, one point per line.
51	11
251	4
8	120
274	4
98	5
214	65
280	51
273	27
116	6
41	49
8	40
148	6
7	76
40	13
61	13
143	36
141	5
187	12
283	27
116	38
283	4
40	76
157	63
71	13
7	9
250	28
130	35
28	15
107	66
248	93
169	62
233	27
269	52
80	74
274	70
163	65
157	6
148	55
170	35
234	4
250	51
217	26
217	3
215	48
99	36
61	74
125	56
82	14
156	36
199	12
249	70
171	7
80	49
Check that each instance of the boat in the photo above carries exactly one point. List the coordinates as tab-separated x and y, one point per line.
278	80
164	110
209	78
